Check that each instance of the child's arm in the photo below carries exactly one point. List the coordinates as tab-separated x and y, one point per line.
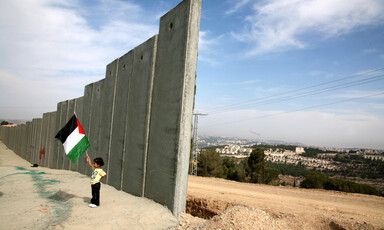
89	161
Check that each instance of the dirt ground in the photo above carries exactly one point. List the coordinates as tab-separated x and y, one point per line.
232	205
42	198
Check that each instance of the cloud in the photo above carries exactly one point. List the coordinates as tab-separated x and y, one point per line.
27	98
249	82
278	25
370	51
208	47
307	127
48	47
239	4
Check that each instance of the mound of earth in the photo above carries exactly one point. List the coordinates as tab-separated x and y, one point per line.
214	203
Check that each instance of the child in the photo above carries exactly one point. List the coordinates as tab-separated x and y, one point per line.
97	175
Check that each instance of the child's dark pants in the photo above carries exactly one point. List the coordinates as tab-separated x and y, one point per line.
96	194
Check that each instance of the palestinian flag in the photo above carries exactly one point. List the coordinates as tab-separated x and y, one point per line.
73	138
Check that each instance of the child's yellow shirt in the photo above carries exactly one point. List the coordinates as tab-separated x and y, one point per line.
97	174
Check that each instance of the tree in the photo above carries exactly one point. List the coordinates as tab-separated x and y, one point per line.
232	171
209	164
255	166
314	180
5	123
271	176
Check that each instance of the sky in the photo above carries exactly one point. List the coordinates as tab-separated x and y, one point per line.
300	71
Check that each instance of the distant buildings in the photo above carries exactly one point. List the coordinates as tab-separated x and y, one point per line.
278	156
374	157
234	150
300	150
236	147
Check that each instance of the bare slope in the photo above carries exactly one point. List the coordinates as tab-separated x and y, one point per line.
254	206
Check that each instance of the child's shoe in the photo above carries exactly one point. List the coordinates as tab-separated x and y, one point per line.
92	205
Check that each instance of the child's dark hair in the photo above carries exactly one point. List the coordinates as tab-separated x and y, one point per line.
99	161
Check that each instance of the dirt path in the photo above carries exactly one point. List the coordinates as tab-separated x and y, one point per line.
281	207
43	198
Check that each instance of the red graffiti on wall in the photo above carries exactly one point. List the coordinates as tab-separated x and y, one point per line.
42	153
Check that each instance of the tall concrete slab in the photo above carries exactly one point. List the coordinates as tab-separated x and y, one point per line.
33	141
23	140
44	137
40	140
25	144
78	111
106	119
56	144
137	128
17	140
63	120
23	130
172	106
47	140
37	144
51	139
85	118
29	137
70	112
95	121
13	138
115	161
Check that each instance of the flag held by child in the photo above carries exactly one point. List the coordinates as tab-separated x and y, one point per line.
73	138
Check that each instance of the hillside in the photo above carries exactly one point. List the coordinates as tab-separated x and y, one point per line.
236	205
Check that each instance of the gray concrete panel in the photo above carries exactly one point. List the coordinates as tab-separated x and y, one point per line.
70	112
51	139
44	137
85	118
115	162
23	137
47	139
17	139
78	111
10	140
31	138
106	119
172	106
139	100
56	143
40	140
25	144
13	139
28	139
33	141
95	121
21	140
63	121
38	126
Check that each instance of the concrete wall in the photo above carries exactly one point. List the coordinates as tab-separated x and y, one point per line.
138	118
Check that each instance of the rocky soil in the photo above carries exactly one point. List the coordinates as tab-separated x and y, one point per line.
214	203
